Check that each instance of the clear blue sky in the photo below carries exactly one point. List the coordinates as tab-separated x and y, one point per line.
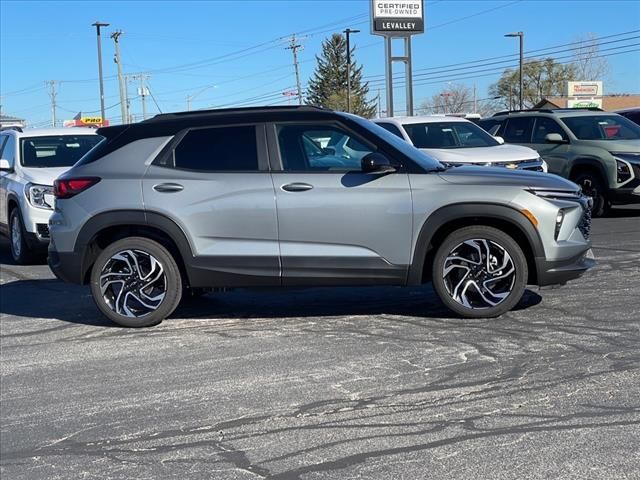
187	46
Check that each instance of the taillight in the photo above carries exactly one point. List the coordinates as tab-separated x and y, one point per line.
68	187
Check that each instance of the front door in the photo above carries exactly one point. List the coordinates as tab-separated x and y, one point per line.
338	225
216	186
555	154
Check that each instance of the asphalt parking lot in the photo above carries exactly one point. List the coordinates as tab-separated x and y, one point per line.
327	383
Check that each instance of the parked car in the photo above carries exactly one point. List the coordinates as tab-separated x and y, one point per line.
457	141
632	114
234	198
599	151
30	160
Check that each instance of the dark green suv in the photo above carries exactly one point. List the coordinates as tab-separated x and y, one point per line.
599	151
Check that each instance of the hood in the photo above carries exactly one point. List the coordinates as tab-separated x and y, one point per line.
43	176
498	177
622	146
497	154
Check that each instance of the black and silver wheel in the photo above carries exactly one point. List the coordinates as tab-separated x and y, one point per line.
17	238
136	282
479	272
592	186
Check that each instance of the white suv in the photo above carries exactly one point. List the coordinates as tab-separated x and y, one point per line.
30	161
455	141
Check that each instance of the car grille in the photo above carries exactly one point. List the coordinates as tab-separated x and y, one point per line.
536	168
585	222
43	230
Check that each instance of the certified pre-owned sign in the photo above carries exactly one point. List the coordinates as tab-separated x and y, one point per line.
397	18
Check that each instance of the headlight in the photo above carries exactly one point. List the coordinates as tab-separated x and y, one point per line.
571	195
545	166
559	220
40	196
623	170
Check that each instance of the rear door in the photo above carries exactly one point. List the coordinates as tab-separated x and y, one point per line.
337	224
214	183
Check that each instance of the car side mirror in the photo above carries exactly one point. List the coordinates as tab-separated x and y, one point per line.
5	166
500	140
376	163
554	138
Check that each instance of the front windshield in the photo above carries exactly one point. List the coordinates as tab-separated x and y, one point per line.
602	127
424	160
448	135
56	150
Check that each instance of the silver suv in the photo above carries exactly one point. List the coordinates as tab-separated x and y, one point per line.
30	161
261	197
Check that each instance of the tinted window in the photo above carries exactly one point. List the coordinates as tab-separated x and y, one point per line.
543	127
55	151
602	127
3	140
390	127
320	148
448	135
490	125
633	116
218	150
518	130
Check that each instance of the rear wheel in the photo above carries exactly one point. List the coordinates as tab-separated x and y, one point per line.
592	185
136	282
479	272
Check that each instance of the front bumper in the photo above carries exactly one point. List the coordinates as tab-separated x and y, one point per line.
625	195
561	271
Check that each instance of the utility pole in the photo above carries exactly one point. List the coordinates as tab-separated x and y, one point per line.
123	103
189	98
142	91
348	33
99	25
293	46
127	79
52	95
475	100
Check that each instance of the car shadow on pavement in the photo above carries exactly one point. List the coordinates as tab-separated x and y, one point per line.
70	303
623	212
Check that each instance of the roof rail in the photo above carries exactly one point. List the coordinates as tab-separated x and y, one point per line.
12	127
228	111
547	110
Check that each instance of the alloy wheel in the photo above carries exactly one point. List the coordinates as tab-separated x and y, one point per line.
133	283
479	273
16	236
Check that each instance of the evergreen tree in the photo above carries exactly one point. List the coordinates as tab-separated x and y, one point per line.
328	87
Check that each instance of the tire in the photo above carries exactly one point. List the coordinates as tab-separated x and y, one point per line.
479	290
592	185
146	301
20	250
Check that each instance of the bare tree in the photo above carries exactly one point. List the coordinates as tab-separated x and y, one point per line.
589	65
456	98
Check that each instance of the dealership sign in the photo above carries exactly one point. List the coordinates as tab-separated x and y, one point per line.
588	103
397	18
584	89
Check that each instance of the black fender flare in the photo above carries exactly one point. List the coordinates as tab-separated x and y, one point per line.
590	163
131	218
458	211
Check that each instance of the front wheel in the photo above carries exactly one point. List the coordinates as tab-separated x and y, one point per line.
479	272
592	186
135	282
17	237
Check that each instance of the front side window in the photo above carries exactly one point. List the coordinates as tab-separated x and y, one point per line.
449	135
602	127
320	148
227	149
518	130
56	150
543	127
9	150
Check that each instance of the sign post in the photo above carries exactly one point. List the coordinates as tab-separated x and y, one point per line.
397	19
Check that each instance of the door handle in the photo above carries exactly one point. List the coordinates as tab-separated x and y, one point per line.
168	187
296	187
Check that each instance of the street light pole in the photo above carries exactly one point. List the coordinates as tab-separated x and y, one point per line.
348	33
98	25
520	35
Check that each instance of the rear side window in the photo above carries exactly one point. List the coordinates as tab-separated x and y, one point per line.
224	149
390	127
518	130
490	125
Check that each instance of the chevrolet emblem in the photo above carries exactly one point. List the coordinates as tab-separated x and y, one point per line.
512	165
